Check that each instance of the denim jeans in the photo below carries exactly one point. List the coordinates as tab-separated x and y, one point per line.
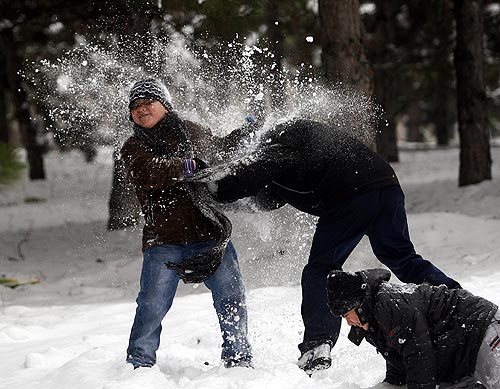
158	287
380	215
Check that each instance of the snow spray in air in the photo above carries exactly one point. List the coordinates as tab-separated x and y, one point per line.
85	93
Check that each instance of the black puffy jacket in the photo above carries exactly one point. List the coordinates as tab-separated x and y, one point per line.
308	165
427	334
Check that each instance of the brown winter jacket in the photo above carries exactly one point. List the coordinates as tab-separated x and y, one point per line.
169	213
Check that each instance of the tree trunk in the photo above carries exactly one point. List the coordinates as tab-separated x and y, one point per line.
28	129
4	123
385	78
344	58
475	155
442	111
275	36
414	122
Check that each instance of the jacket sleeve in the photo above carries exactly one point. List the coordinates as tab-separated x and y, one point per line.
216	149
406	332
148	170
252	175
267	200
232	141
205	144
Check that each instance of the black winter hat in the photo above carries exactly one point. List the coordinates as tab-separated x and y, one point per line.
346	291
153	89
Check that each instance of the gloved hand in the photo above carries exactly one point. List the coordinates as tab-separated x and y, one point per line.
197	269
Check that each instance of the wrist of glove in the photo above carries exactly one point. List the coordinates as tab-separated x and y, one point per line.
189	167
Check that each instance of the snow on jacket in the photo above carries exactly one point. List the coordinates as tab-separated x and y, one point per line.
308	165
427	334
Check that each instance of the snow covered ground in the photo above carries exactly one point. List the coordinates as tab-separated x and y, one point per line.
71	329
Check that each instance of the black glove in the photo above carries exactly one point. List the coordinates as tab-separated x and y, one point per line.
200	164
199	268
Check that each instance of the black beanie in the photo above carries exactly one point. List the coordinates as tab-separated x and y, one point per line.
153	89
346	291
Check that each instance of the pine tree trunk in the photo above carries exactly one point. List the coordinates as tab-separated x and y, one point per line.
414	122
475	155
20	102
344	58
443	112
385	78
275	36
4	124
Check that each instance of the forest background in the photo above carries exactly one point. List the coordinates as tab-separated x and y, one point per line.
431	70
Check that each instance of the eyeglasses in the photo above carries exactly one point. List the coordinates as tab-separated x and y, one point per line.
141	103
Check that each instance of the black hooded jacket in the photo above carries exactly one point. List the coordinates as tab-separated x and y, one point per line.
427	334
308	165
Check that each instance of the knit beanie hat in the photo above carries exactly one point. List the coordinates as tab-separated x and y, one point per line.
346	291
153	89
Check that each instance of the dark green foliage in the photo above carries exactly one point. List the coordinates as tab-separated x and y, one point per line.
11	169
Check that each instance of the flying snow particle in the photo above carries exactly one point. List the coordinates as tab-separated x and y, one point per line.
84	63
309	39
367	9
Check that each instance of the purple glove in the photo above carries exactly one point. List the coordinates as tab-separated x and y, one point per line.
189	167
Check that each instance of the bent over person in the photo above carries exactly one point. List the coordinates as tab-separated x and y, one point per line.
183	226
427	334
325	171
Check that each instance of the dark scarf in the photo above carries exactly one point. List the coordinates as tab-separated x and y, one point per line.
170	127
200	267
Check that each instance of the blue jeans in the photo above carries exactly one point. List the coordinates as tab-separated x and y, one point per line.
381	216
158	287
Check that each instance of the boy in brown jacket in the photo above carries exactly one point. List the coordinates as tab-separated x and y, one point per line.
185	235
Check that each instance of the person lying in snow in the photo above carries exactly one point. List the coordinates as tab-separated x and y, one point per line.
324	171
183	225
427	334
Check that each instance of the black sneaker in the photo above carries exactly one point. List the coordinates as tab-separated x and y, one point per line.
318	358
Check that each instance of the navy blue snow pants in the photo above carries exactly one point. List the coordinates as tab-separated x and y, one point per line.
381	216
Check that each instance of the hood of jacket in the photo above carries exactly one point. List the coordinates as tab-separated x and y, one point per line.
372	278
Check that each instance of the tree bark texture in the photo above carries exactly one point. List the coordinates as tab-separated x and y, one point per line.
4	123
344	58
28	129
475	155
443	113
275	36
385	79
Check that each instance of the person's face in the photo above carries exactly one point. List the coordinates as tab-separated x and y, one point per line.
352	319
147	113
